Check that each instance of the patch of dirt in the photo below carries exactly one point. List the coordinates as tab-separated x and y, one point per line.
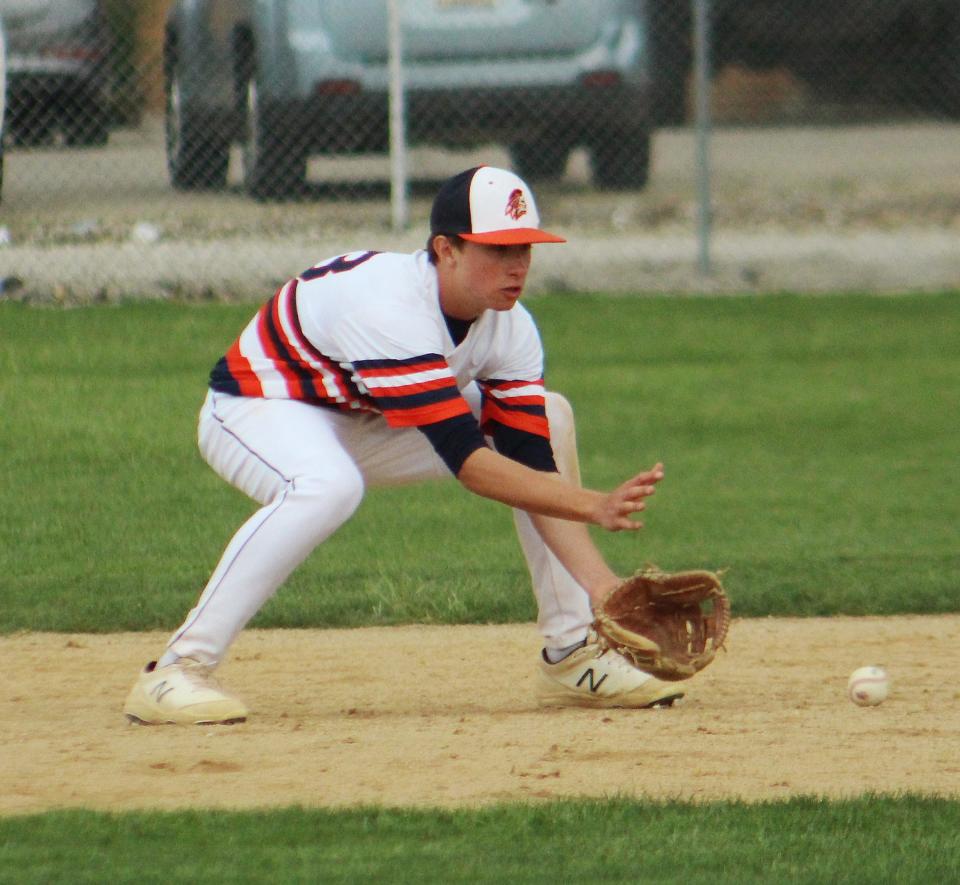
446	717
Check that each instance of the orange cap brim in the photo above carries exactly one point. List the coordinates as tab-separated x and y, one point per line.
513	237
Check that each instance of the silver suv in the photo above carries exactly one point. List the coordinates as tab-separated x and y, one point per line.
58	70
289	78
3	96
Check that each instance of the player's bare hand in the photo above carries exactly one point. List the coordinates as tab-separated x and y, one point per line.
619	508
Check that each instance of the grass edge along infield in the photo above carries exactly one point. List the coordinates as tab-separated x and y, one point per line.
873	838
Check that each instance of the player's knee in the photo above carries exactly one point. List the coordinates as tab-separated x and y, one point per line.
563	435
336	493
559	411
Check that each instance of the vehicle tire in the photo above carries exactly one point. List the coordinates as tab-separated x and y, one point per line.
86	126
274	160
671	50
29	125
198	157
621	160
542	160
944	68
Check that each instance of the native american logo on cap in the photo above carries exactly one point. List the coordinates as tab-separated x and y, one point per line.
488	205
516	205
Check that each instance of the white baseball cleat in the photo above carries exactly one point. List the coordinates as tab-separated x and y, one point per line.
184	693
595	677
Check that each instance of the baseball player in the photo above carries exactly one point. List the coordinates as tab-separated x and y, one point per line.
373	368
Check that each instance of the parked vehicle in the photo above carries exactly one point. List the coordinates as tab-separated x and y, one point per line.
3	97
58	71
289	78
880	52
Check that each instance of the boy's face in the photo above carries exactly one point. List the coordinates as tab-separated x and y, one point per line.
479	277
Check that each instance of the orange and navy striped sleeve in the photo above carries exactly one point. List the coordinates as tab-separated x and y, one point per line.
273	358
514	413
516	404
413	391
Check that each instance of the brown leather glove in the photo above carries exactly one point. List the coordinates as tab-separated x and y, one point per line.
668	625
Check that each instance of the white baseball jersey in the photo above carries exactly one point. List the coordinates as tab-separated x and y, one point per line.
364	331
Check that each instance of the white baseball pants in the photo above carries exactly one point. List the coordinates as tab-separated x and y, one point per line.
308	466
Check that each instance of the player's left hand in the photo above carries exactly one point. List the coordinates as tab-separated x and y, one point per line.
618	509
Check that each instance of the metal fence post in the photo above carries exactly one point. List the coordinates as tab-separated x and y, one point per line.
399	210
701	68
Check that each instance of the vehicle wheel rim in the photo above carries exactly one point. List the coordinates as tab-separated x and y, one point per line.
251	130
174	119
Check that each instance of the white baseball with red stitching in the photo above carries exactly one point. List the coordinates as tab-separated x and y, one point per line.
868	686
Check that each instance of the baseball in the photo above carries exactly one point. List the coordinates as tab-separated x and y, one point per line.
868	686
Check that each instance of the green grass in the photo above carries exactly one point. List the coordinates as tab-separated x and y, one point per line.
907	839
810	445
809	442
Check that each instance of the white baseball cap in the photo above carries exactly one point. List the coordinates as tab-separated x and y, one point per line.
488	205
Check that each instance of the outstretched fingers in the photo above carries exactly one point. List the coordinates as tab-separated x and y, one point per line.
651	476
627	500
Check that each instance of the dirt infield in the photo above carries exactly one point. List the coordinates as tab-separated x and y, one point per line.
444	716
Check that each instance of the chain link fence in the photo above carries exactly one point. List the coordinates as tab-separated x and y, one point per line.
213	148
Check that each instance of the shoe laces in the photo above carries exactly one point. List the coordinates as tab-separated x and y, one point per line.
615	660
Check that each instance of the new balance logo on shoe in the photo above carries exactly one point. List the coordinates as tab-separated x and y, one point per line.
195	699
589	676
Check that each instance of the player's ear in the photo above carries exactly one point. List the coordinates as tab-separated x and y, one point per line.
442	247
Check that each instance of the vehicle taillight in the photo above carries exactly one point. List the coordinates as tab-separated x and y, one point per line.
75	53
601	79
337	87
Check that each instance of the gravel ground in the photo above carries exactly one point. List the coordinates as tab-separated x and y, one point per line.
873	208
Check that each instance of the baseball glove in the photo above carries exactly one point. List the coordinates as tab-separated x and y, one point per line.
668	625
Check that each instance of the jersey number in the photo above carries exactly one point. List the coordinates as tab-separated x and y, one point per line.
338	265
